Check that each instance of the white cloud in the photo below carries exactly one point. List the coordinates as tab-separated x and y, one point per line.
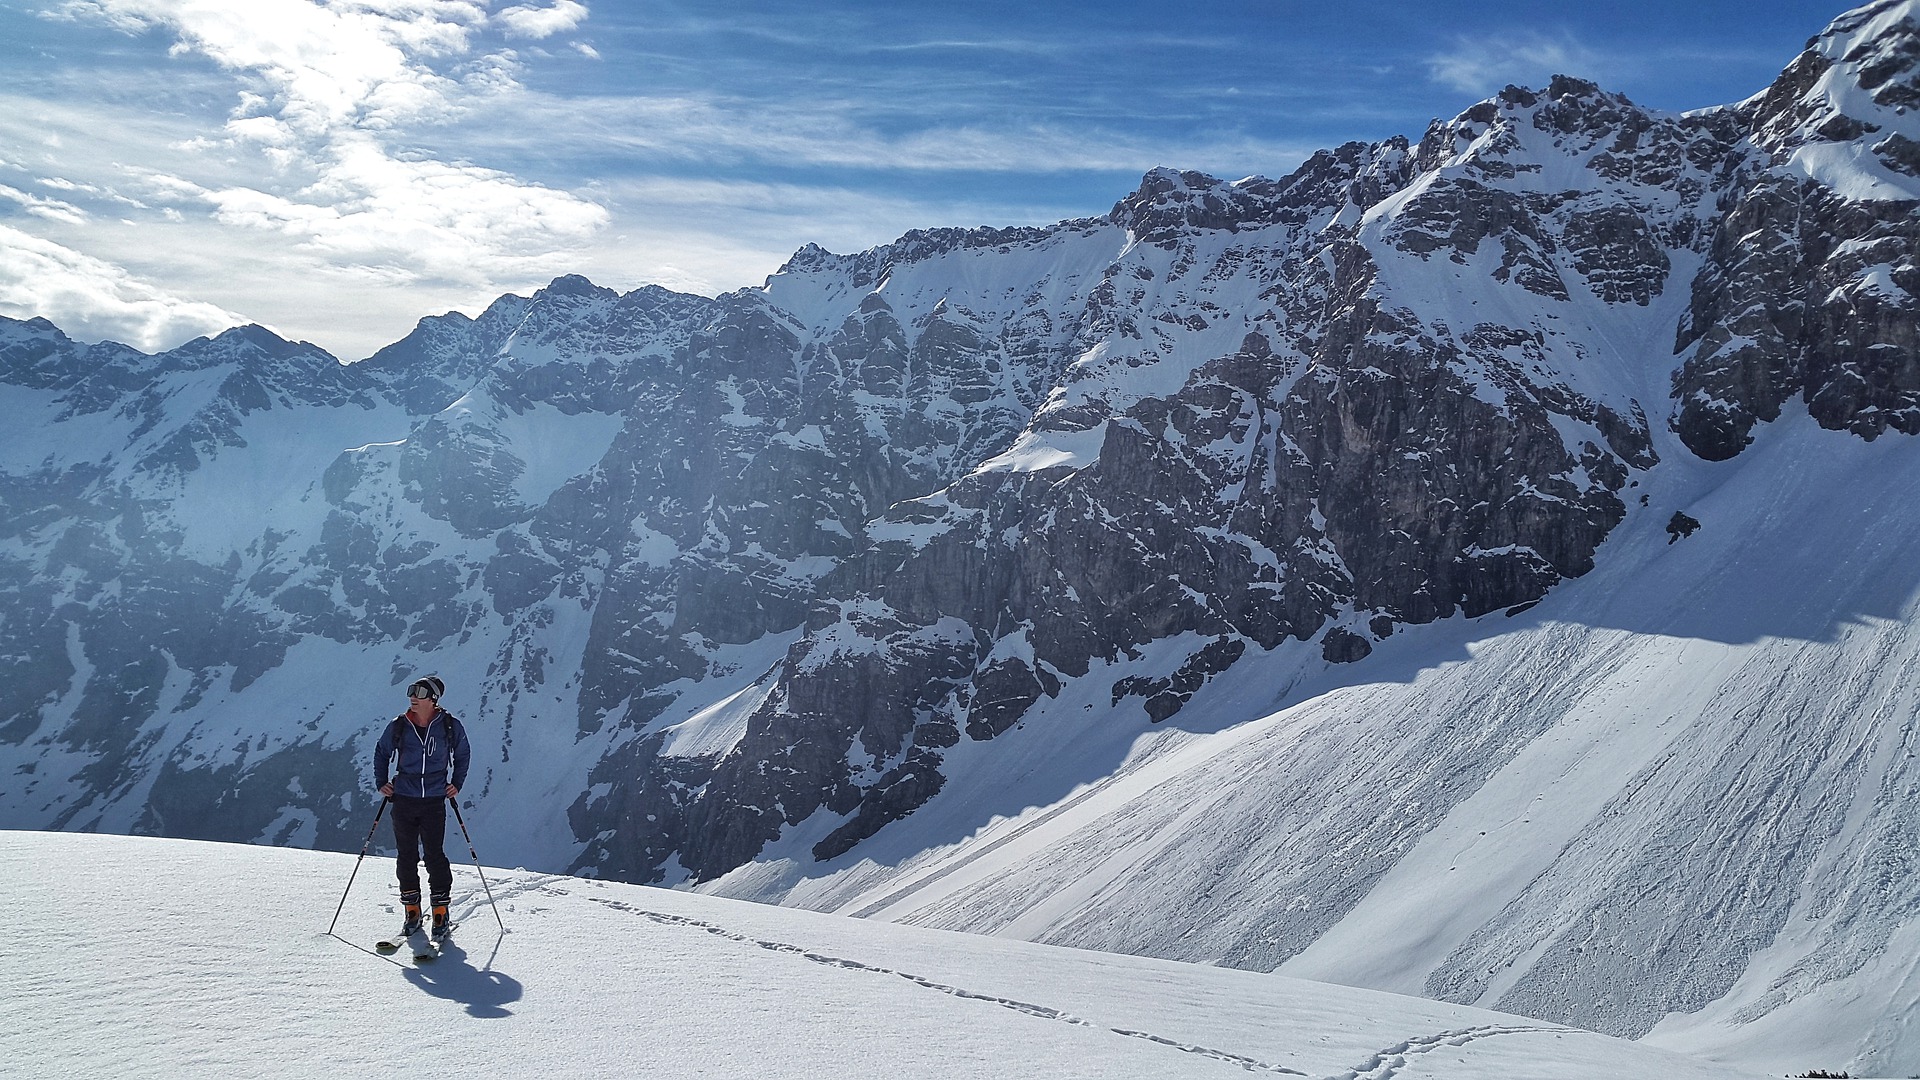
41	206
414	220
525	21
1484	65
92	11
717	130
95	300
331	94
334	197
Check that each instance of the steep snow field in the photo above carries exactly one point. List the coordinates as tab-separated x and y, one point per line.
148	957
1724	724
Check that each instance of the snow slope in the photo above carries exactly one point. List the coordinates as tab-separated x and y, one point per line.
125	957
1699	755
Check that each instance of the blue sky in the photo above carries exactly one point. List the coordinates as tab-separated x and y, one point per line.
336	169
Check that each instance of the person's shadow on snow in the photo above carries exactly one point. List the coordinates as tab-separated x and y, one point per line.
486	994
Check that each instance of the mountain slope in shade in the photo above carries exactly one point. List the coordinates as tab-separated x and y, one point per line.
608	979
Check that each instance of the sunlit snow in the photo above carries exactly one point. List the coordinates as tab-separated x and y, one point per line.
149	957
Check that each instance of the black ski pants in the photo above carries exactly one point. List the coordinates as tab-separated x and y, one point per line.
422	824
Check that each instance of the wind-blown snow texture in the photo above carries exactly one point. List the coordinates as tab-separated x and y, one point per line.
599	979
1204	579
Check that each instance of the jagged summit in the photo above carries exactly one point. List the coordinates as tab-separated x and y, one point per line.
575	285
869	269
36	324
1852	99
1169	203
251	340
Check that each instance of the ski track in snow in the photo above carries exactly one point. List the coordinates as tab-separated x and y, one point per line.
1384	1065
1030	1009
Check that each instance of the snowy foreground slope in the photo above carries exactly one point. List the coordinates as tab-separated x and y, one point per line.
125	957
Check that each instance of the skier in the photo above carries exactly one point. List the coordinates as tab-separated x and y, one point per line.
427	751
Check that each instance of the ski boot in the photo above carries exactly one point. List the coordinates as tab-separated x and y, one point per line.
410	902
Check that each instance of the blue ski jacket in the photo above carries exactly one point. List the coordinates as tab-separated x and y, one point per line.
422	761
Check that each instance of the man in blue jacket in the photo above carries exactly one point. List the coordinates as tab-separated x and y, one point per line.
420	763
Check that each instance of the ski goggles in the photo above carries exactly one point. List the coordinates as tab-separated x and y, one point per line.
422	689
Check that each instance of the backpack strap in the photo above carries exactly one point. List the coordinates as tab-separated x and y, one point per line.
393	756
452	728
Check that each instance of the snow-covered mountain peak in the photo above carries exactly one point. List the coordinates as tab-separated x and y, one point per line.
574	285
257	352
1574	137
1877	45
1170	203
1847	111
1567	106
16	331
34	352
1810	287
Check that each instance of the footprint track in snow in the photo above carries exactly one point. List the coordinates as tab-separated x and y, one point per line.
1387	1063
1028	1008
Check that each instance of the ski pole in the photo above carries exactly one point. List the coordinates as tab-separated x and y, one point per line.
356	863
476	863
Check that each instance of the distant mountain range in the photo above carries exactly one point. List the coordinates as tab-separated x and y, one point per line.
1193	580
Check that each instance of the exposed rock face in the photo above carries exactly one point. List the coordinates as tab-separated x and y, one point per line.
718	576
1338	463
1810	284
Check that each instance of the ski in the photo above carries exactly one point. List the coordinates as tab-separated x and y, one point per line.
429	949
426	944
389	946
